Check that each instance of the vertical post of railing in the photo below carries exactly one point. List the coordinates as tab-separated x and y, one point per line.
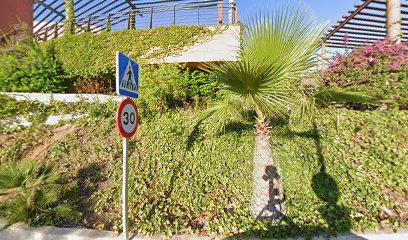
151	19
236	15
108	24
89	24
56	30
220	11
132	19
323	58
45	34
198	14
231	12
128	23
174	15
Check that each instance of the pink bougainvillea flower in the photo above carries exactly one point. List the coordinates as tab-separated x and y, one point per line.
373	61
394	66
345	39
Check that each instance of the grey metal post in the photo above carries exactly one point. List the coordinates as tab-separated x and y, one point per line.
108	24
46	34
151	19
88	29
125	190
56	30
394	20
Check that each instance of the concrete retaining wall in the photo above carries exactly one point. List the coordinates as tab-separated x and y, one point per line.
62	97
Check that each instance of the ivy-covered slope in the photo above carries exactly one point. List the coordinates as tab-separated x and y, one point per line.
349	173
88	55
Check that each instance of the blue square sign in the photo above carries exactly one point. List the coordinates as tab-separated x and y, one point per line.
127	76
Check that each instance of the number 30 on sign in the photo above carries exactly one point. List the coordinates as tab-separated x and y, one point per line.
127	118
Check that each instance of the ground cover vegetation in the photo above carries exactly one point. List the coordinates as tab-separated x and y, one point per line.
339	176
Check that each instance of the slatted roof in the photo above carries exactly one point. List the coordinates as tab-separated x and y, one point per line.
364	25
48	13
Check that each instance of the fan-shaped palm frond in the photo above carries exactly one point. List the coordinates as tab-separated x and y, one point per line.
28	191
278	49
304	109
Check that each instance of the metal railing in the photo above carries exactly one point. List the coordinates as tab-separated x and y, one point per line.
205	13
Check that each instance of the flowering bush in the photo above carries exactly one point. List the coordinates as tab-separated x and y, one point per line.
381	68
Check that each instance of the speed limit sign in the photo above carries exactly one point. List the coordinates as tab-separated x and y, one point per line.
127	118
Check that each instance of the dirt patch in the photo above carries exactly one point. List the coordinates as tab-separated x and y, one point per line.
402	199
40	151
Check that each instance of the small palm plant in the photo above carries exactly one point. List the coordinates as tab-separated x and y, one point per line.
31	194
278	49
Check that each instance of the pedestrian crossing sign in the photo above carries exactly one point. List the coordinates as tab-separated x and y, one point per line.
127	76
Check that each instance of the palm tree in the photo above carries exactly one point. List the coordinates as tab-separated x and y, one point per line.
278	49
31	194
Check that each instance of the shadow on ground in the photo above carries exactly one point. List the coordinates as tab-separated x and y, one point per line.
80	195
325	187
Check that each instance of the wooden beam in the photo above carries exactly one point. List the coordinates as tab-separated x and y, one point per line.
365	29
358	10
370	20
355	37
384	2
359	34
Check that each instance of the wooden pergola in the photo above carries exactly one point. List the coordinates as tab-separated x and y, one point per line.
368	22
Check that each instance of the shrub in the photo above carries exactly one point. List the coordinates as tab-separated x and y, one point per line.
381	68
32	194
168	87
26	67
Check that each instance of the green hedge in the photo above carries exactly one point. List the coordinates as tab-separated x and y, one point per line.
201	182
26	67
168	87
88	55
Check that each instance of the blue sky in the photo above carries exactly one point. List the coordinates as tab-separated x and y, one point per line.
324	9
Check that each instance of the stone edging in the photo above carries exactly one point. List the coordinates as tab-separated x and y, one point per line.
47	97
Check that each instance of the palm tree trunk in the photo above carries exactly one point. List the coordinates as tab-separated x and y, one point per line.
267	195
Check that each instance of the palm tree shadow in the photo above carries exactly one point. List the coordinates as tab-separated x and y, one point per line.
274	206
326	189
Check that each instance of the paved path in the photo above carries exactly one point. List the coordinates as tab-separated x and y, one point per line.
22	232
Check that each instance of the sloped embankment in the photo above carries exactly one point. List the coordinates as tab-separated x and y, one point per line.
350	173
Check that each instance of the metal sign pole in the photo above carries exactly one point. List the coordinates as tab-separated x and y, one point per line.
125	190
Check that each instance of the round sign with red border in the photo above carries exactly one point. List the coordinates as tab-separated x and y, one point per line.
127	118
